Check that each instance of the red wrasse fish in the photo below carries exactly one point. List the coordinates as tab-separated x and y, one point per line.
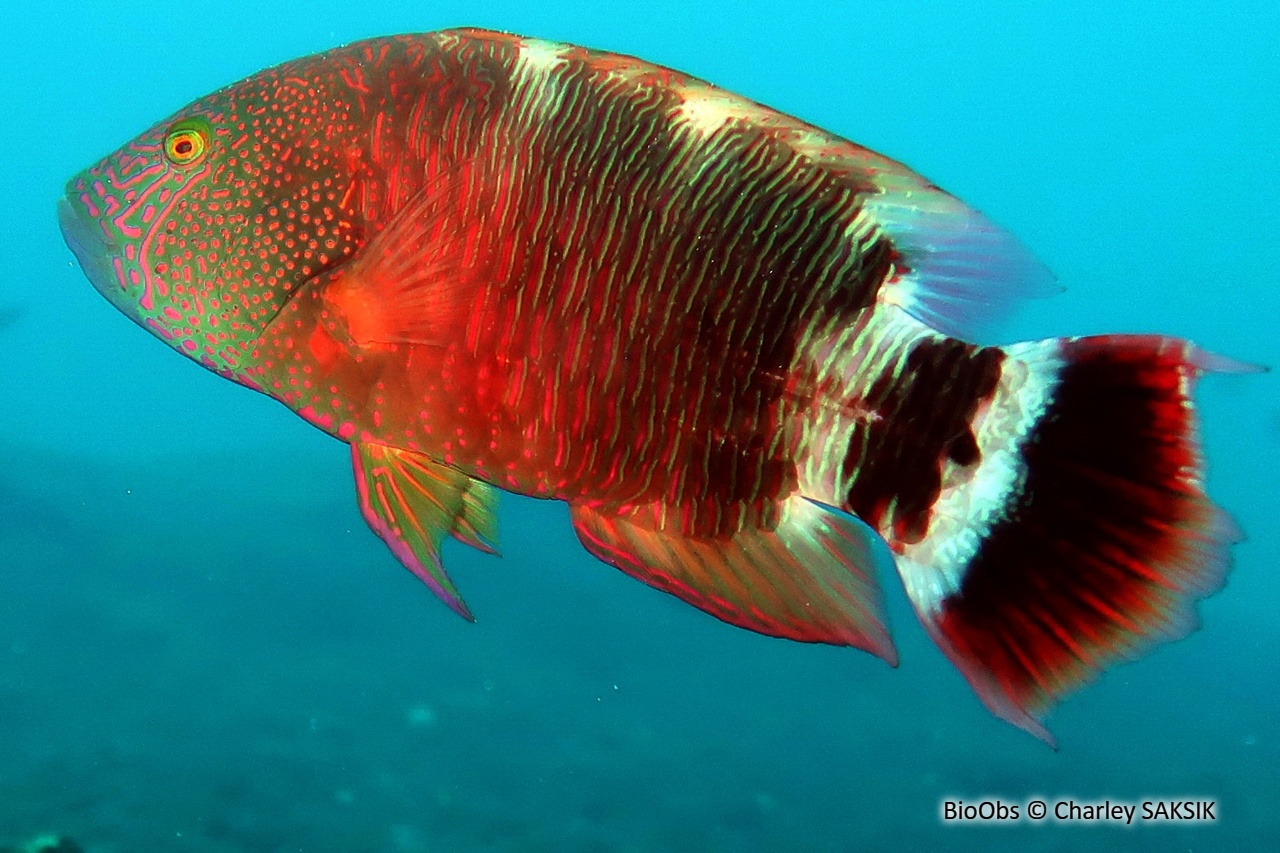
738	346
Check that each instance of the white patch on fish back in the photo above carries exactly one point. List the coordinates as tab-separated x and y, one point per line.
537	78
705	110
846	362
968	506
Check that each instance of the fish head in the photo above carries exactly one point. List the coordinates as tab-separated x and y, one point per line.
203	227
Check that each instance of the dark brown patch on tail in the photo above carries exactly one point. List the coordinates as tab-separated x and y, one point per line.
1107	543
895	464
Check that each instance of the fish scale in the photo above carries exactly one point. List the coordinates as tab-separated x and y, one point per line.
744	350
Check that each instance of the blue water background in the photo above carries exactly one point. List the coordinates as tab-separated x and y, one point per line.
203	649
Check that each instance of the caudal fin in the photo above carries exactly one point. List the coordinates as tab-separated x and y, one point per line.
1084	536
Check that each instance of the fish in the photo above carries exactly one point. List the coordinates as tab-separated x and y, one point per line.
745	351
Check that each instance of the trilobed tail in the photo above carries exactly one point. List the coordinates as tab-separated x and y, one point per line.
1084	537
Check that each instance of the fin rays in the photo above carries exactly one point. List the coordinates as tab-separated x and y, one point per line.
411	502
812	578
411	283
1101	548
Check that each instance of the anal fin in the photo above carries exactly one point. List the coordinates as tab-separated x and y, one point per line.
812	578
412	501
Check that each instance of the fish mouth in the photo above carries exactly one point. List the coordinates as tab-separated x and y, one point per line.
84	237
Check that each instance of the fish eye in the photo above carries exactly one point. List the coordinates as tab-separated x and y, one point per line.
186	142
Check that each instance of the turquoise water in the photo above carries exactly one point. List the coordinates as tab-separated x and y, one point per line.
203	649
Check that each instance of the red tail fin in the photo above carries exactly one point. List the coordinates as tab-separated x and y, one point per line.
1086	537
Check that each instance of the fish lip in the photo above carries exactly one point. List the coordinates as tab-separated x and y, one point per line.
84	237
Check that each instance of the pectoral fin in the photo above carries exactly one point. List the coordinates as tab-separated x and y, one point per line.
414	282
412	501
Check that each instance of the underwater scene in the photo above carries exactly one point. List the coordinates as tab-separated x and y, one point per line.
204	646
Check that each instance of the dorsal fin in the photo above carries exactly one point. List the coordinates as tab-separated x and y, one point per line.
956	270
963	272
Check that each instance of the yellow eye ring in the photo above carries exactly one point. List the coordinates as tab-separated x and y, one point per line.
186	142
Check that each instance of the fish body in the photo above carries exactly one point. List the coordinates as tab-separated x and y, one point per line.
740	347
